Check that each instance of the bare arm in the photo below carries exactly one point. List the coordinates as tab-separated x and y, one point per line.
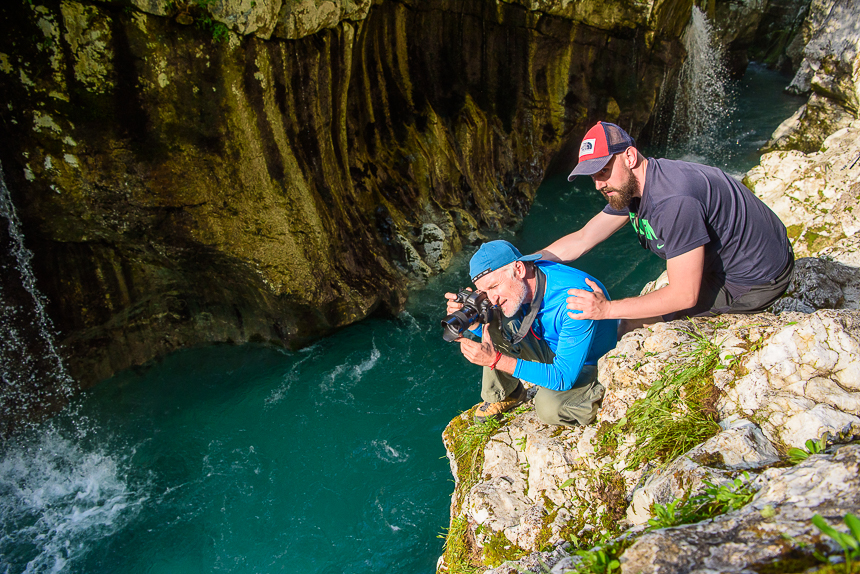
682	292
573	246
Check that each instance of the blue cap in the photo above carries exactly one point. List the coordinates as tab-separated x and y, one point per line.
494	255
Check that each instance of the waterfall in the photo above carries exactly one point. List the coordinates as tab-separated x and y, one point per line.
703	101
34	380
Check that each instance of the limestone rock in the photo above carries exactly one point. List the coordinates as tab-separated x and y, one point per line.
799	378
815	194
830	56
739	541
298	19
783	379
807	128
830	71
742	447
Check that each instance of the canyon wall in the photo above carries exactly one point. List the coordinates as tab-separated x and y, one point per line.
196	172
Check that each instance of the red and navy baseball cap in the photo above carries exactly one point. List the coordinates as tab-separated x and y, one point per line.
598	146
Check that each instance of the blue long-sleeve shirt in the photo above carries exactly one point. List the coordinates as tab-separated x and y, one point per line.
574	342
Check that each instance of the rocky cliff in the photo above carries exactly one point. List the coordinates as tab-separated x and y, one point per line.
709	408
719	440
194	171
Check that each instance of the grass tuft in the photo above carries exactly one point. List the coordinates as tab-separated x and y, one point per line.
678	413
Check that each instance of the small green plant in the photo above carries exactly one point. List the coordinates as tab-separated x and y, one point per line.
198	12
798	455
218	30
598	561
849	541
603	558
678	411
713	501
666	515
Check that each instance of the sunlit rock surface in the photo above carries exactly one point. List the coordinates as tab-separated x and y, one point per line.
755	535
829	72
787	379
816	195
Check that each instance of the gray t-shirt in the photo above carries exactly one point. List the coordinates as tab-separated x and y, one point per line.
685	205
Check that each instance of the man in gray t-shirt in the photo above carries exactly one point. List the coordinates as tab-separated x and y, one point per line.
725	250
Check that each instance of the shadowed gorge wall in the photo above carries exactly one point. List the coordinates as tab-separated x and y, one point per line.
179	190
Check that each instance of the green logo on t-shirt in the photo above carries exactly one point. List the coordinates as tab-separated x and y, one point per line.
644	228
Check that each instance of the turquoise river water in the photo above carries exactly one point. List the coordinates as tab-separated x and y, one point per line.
252	459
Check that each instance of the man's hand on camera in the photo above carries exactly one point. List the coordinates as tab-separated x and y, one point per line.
452	302
485	355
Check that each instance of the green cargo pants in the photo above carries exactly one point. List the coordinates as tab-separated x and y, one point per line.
578	405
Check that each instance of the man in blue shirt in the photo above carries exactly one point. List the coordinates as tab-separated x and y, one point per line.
532	338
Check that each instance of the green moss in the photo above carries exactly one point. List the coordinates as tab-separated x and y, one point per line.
612	492
498	549
794	232
459	552
710	459
817	238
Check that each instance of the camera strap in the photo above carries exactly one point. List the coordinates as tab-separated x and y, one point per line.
534	307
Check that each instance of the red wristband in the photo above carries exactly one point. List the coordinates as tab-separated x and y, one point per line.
498	356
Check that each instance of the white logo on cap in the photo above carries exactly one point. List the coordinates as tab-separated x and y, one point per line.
586	148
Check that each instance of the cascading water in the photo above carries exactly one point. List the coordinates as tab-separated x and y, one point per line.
34	380
57	495
703	99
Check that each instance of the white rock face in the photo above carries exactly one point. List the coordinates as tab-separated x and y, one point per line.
830	64
830	70
732	543
815	195
801	382
791	378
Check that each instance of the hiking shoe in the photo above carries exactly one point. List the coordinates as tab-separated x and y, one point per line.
495	410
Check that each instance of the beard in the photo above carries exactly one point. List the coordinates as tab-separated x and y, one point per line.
518	294
624	193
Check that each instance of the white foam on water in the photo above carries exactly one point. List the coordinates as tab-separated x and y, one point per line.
388	453
57	500
410	321
293	375
346	375
369	363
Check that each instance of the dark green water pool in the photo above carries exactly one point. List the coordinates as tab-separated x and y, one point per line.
327	460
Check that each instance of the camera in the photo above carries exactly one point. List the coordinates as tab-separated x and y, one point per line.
476	307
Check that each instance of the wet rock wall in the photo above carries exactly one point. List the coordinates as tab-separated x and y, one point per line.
271	172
